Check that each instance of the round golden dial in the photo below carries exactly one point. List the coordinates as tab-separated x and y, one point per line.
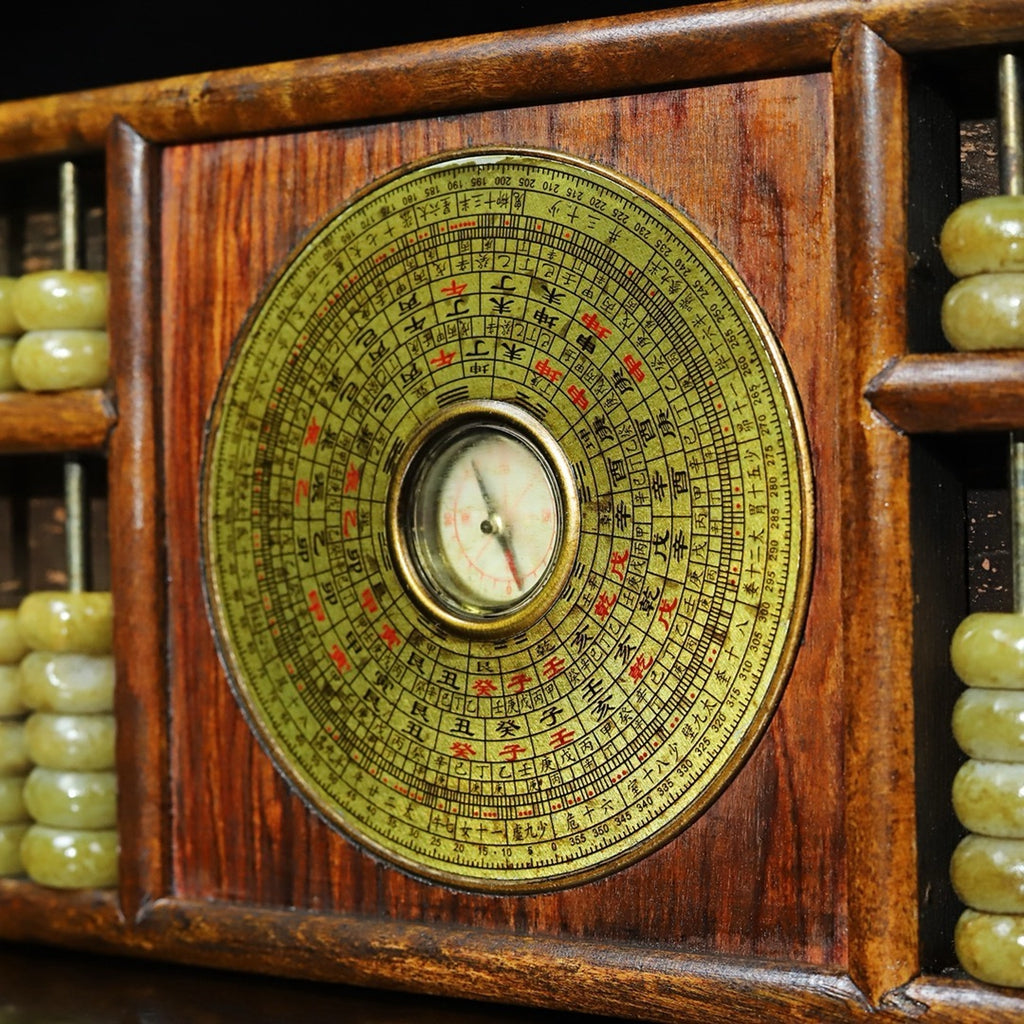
506	520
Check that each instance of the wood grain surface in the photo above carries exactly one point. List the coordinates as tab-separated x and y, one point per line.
763	872
693	43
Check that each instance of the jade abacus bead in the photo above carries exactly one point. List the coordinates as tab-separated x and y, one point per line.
990	947
10	692
61	298
987	650
80	742
69	799
66	858
12	799
8	382
985	312
11	838
14	756
12	647
989	724
988	798
60	359
8	321
68	681
988	874
984	236
53	620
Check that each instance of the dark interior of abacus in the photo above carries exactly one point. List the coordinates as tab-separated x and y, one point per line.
961	519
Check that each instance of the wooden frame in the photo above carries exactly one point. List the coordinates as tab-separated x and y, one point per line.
881	396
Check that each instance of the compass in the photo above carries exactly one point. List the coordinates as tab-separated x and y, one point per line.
507	520
484	519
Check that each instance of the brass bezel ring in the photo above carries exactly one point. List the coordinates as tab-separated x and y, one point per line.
512	419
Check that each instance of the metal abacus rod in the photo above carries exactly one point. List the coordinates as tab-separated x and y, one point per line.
75	481
1011	181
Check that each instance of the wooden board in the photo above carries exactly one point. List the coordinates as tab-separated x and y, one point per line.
763	872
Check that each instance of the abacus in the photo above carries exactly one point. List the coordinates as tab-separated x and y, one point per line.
844	872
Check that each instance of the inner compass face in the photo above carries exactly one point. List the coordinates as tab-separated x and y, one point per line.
484	519
506	521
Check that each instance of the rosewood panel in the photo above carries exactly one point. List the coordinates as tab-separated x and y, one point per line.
763	872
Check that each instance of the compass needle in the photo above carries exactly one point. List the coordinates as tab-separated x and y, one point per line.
584	612
495	527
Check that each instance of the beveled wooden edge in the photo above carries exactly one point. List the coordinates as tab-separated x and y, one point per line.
136	528
78	420
703	42
871	99
913	392
583	975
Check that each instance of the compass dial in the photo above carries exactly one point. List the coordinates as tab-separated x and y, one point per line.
484	519
507	521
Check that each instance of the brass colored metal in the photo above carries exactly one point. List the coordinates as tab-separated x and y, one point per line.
449	600
507	521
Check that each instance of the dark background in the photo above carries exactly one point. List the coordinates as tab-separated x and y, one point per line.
62	48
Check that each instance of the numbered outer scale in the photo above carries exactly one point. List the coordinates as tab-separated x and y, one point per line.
507	521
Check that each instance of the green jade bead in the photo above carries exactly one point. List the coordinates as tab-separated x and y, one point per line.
12	799
68	799
985	313
11	838
64	858
61	298
987	650
988	798
990	947
11	703
989	724
12	647
8	321
80	742
8	382
984	236
67	682
988	874
61	359
53	620
14	755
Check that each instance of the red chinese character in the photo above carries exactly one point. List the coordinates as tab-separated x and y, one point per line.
665	609
390	637
349	519
351	479
462	749
454	288
312	432
560	737
553	666
617	561
315	606
443	358
517	683
593	323
340	659
635	367
368	601
603	605
484	687
545	369
578	396
639	667
511	751
301	491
